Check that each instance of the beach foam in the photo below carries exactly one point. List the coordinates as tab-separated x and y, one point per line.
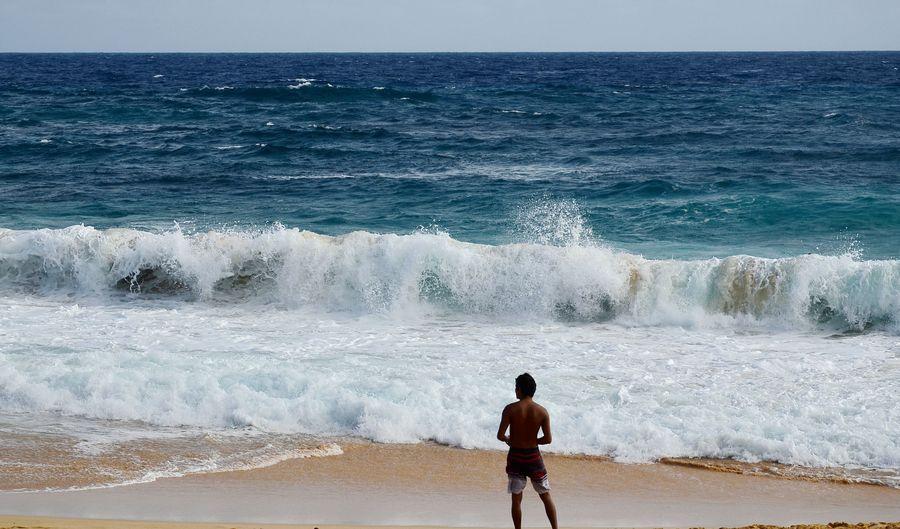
45	452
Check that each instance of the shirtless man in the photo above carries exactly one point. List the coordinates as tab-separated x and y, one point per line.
525	419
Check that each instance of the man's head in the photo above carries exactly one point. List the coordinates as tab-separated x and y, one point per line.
525	386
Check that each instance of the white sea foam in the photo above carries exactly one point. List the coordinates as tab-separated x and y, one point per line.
636	393
302	83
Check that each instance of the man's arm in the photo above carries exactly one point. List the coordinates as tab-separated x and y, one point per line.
547	438
504	424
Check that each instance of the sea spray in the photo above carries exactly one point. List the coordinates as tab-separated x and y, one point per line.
551	222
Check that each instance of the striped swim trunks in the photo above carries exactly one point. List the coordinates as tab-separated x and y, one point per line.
524	463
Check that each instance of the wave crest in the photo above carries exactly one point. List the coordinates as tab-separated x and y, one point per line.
367	272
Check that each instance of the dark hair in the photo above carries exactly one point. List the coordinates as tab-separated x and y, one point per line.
526	384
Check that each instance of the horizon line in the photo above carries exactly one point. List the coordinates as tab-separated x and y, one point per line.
423	52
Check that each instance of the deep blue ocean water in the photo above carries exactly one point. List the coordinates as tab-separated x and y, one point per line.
685	155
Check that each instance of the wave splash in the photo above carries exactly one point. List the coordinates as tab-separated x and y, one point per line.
365	272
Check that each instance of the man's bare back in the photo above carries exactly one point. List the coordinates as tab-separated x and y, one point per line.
525	418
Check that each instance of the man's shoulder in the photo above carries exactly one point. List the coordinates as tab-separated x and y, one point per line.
540	408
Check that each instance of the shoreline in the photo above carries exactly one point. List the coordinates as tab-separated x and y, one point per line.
334	447
435	485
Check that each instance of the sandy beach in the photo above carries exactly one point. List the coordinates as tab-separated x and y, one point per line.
433	485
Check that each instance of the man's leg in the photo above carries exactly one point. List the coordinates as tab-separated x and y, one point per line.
549	508
517	510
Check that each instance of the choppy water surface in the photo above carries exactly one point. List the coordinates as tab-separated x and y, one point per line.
217	261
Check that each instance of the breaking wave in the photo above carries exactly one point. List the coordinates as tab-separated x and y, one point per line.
364	272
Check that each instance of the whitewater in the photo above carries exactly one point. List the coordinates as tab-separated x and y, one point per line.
406	338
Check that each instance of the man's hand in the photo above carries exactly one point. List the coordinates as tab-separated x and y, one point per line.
547	438
504	424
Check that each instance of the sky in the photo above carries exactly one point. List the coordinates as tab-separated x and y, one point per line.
447	25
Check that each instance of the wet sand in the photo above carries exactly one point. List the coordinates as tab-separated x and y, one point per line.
433	485
34	522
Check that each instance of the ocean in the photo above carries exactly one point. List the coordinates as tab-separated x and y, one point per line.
219	261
